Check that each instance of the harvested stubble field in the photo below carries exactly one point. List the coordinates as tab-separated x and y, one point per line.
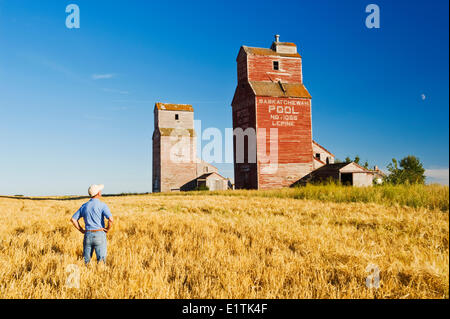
234	244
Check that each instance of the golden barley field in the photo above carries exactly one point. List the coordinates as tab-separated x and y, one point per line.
220	246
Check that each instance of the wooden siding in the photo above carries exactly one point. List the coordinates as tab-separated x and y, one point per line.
292	157
260	68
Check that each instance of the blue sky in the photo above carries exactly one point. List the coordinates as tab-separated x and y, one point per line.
76	105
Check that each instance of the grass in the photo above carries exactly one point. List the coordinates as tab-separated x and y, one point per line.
237	244
417	196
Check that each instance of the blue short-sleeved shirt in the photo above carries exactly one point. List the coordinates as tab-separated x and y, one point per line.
94	213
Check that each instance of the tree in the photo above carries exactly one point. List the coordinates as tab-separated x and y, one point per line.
366	165
410	171
356	160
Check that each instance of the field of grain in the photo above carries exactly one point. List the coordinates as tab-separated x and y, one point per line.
248	245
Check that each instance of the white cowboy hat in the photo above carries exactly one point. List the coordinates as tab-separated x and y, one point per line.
95	189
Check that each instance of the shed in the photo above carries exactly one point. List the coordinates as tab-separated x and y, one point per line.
350	174
214	181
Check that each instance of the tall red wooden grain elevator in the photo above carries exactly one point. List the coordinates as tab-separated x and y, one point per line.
270	95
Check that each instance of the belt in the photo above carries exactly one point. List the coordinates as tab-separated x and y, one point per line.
95	230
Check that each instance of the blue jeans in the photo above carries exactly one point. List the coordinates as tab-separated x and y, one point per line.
94	241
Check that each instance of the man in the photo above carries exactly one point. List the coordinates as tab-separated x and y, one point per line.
94	213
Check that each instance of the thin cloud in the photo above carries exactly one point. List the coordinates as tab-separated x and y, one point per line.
53	66
120	108
135	101
103	76
96	118
115	91
439	176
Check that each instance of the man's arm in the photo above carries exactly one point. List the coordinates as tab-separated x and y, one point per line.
110	223
75	218
107	214
77	225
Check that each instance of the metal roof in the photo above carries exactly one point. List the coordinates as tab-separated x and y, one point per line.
176	132
174	107
206	175
338	166
269	52
331	167
279	89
